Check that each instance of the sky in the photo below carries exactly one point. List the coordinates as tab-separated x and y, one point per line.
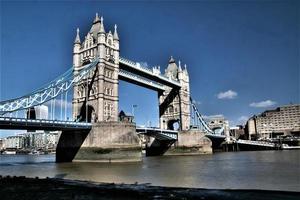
243	57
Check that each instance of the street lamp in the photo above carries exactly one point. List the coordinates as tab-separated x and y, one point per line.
133	108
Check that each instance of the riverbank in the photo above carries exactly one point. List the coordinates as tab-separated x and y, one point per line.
51	188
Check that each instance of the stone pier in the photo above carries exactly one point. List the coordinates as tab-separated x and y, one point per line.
106	142
191	142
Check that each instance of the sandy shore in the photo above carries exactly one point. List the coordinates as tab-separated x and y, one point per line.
33	188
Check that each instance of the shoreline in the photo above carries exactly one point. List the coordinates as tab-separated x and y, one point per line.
53	188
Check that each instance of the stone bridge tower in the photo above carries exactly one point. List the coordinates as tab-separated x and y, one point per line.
98	101
174	104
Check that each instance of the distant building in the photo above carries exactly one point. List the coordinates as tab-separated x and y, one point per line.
1	144
284	120
14	142
31	140
42	140
41	112
238	132
37	112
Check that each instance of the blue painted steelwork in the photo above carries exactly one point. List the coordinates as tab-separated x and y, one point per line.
200	118
125	75
56	87
160	134
145	71
41	124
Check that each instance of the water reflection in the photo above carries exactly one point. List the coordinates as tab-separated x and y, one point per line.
273	170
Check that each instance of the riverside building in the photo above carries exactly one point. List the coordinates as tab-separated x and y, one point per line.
284	120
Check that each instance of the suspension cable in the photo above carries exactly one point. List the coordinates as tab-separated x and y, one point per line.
61	106
66	99
86	100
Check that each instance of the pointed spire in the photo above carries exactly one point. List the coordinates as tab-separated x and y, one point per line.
77	39
171	60
96	19
116	36
102	30
179	65
185	67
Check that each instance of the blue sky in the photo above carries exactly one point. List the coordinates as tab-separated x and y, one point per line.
243	56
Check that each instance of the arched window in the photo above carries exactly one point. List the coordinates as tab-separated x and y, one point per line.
171	109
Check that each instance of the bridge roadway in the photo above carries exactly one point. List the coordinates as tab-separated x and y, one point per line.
41	124
51	125
256	143
146	73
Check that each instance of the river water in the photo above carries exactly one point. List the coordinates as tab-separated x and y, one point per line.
271	170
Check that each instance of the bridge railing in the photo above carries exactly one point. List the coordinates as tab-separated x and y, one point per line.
261	143
10	119
161	133
140	79
146	70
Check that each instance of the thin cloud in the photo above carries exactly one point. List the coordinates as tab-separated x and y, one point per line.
262	104
242	119
230	94
212	116
197	102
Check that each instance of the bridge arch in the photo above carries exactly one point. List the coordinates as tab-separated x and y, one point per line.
87	113
173	124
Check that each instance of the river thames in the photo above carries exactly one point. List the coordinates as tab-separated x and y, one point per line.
270	170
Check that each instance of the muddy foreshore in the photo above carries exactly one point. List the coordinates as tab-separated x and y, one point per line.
50	188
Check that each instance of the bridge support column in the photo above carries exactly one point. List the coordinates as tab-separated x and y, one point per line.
110	142
191	142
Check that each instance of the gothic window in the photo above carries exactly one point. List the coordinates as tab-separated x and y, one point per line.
105	109
171	109
111	52
109	42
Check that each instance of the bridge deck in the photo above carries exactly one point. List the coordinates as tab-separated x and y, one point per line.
41	124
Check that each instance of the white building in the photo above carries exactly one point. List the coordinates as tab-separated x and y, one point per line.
41	112
14	142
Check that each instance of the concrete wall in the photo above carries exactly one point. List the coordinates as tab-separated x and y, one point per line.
110	142
191	142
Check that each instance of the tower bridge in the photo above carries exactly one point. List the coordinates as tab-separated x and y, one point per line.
94	78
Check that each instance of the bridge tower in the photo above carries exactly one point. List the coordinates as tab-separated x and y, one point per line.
96	98
174	104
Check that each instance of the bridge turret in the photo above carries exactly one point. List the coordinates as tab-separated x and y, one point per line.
175	103
102	92
101	40
76	50
184	94
172	69
117	45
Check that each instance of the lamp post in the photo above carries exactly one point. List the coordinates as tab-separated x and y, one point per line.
132	109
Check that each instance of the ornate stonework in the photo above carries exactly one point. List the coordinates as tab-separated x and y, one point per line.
102	90
174	105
